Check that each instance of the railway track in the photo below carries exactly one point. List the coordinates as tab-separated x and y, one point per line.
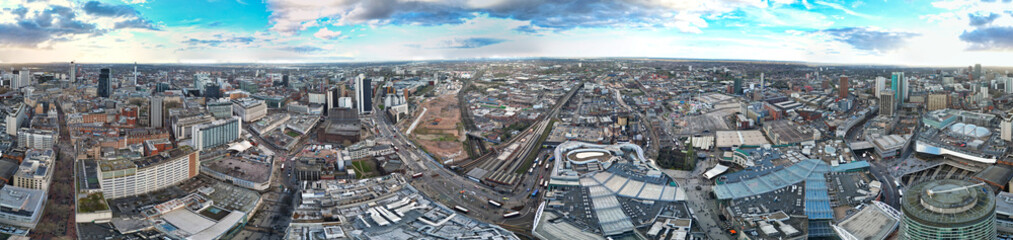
504	172
520	231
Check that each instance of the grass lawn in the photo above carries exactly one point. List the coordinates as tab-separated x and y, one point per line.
363	169
92	203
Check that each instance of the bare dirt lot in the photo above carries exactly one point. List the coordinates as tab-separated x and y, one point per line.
440	131
712	120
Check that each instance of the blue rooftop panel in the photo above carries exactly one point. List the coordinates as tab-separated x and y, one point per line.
782	177
817	199
821	229
856	165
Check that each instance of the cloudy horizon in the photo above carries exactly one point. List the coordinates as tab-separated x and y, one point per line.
924	33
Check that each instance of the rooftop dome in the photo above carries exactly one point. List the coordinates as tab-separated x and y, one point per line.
969	130
981	132
957	128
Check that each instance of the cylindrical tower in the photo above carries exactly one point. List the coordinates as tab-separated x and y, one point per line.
948	209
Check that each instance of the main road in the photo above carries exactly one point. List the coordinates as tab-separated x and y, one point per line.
450	189
885	169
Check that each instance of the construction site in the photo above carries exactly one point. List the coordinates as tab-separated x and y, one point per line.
439	130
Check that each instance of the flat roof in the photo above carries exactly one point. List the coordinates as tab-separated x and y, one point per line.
21	198
1004	203
187	221
342	128
979	199
890	141
855	165
860	145
740	138
787	105
118	164
788	132
996	174
241	168
271	119
302	121
872	223
248	102
240	146
220	227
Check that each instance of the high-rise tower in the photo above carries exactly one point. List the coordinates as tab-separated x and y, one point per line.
842	87
135	73
104	87
948	209
977	72
880	85
156	112
363	94
73	71
899	86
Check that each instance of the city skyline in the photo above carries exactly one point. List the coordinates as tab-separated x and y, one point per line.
935	33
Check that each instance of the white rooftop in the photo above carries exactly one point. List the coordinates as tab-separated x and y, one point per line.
20	198
725	139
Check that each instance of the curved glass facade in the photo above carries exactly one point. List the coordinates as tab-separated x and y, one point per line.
984	229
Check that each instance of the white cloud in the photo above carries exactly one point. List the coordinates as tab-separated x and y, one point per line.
290	16
688	23
783	2
483	29
43	24
786	17
980	26
845	10
953	4
324	33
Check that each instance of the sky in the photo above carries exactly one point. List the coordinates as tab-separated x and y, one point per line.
894	32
